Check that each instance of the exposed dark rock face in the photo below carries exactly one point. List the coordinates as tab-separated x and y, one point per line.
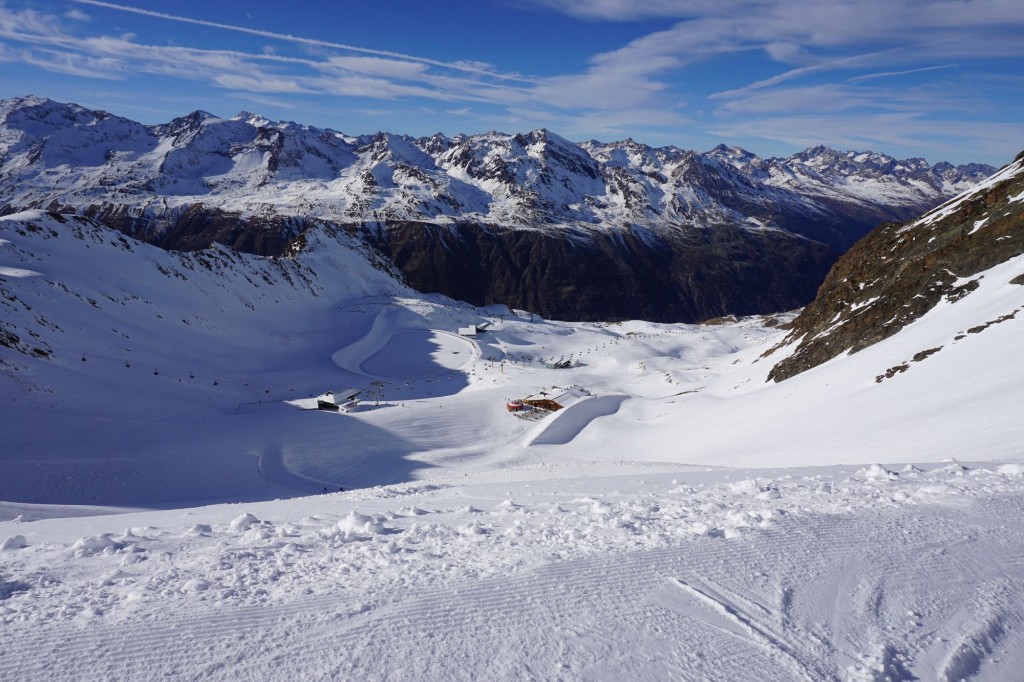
196	227
689	275
899	272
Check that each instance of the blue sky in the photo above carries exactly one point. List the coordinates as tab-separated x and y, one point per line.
942	79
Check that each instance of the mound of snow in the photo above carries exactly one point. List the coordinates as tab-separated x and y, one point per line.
14	542
360	524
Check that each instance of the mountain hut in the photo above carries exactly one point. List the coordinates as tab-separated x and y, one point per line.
344	400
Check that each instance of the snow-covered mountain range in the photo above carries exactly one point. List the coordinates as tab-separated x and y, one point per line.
504	201
62	155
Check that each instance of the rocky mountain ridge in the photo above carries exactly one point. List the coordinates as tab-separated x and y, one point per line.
77	158
255	184
901	271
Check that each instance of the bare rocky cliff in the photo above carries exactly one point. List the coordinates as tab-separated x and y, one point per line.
689	275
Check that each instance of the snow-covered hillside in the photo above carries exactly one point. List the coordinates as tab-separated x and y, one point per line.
118	354
679	517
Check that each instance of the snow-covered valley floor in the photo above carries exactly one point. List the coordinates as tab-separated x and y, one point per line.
172	507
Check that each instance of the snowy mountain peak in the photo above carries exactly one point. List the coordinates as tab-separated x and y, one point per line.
438	143
735	155
40	117
196	119
253	119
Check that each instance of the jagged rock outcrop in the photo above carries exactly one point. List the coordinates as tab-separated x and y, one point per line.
900	271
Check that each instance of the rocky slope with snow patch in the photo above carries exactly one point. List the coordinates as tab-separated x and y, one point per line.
722	220
88	277
901	271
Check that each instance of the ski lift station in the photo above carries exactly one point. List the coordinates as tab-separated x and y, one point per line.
473	330
345	400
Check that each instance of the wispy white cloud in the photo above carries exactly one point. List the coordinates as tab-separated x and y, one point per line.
470	67
49	44
258	84
626	10
905	72
77	15
842	63
809	34
74	64
826	50
833	98
383	74
375	66
29	22
787	29
275	102
821	22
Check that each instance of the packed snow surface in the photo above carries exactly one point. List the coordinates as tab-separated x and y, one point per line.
724	574
419	354
677	518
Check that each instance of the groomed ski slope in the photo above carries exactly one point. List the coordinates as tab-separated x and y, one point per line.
831	573
685	520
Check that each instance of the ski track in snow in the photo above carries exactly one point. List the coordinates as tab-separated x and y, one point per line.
841	575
